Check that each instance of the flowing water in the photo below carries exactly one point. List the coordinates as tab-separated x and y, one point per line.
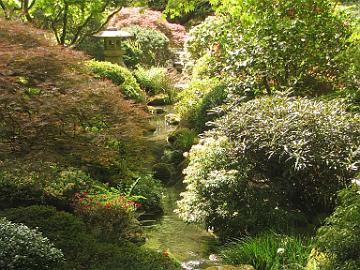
187	243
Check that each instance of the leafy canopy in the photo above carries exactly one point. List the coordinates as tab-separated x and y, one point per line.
71	21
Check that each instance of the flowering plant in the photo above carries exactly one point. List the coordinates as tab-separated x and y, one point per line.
108	213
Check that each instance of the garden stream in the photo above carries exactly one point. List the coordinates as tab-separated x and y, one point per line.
187	243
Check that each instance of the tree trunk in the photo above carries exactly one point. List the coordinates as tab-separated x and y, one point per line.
65	24
25	9
4	8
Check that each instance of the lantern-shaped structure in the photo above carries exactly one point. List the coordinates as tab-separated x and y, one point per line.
113	38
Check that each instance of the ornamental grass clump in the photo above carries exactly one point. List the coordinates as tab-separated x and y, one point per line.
273	162
155	81
269	251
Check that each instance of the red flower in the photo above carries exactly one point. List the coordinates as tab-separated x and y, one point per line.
107	205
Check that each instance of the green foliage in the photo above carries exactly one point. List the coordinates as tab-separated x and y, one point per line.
128	256
119	76
72	21
182	139
197	103
269	162
203	37
132	53
47	183
109	214
269	251
22	184
190	99
24	248
200	68
176	8
158	83
266	47
65	230
148	190
81	249
157	4
339	237
150	47
155	81
92	46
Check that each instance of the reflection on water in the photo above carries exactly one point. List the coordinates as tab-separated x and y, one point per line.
158	121
188	243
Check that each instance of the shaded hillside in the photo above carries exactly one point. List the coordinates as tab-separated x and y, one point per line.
51	109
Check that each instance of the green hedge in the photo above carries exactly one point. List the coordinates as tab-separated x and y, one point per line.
119	76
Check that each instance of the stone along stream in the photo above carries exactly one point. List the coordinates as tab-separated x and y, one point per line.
187	243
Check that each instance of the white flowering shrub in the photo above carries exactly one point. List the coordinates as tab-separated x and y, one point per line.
270	163
22	248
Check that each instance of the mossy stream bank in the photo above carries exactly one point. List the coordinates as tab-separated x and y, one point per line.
187	243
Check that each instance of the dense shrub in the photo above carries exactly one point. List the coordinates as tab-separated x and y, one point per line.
202	38
58	112
153	47
44	183
269	251
267	47
40	182
148	18
352	55
92	46
218	193
197	102
148	190
109	214
268	162
81	249
119	76
24	248
128	256
339	237
65	230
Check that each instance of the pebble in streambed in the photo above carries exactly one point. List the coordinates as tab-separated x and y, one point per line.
201	264
193	265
